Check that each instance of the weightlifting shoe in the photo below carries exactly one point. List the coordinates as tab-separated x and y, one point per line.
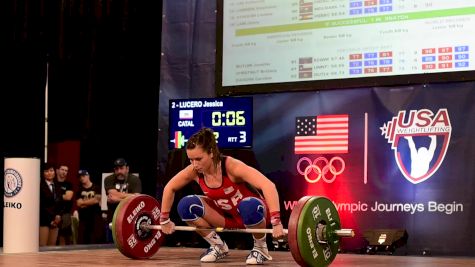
258	255
215	253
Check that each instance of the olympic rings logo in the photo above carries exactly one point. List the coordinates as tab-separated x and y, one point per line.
321	167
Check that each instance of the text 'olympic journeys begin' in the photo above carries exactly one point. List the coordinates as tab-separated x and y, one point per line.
410	208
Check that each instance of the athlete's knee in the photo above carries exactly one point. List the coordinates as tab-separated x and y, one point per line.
252	211
190	208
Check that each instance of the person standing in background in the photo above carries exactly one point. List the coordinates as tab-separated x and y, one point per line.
66	202
120	185
50	209
88	201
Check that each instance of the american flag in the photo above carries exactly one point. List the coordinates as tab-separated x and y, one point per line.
324	134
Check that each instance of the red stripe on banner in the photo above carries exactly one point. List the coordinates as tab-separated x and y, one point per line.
337	116
322	152
336	137
393	130
331	128
388	130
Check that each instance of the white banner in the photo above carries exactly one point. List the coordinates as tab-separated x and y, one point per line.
21	208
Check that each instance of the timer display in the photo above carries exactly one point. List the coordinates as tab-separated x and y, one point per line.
229	117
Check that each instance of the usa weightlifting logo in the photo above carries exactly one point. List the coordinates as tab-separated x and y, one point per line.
13	182
420	140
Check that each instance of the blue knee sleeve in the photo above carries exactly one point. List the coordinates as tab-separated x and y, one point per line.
251	210
190	208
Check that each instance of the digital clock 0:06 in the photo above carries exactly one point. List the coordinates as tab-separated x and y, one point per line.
228	118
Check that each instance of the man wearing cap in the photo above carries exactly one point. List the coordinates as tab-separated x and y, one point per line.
120	185
88	200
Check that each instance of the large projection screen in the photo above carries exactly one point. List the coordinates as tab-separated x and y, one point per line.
277	45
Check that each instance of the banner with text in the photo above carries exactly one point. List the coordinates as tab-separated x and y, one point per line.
399	157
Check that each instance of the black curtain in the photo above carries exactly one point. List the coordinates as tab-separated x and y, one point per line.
104	69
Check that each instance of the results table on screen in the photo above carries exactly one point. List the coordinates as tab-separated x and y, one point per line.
271	41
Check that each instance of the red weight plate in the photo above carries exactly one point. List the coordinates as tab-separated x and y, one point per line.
131	240
119	212
293	228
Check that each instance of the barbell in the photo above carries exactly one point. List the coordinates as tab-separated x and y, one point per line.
313	233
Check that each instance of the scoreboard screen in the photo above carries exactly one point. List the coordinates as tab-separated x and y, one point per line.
294	45
229	117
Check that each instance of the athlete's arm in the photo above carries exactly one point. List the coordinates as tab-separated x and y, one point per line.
178	181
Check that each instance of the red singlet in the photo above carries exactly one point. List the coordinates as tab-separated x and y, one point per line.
229	194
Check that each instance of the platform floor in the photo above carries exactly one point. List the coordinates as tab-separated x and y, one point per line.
168	256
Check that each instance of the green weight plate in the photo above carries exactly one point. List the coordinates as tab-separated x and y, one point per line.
318	210
293	225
